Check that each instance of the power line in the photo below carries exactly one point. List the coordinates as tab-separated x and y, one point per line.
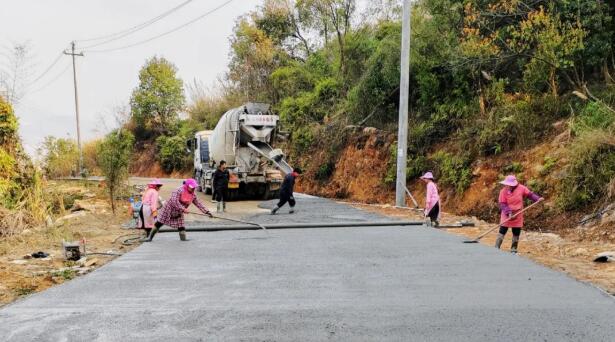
54	79
47	70
120	34
165	33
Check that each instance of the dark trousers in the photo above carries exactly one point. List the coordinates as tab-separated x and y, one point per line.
434	212
142	218
516	231
219	195
284	199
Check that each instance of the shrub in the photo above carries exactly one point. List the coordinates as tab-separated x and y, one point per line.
593	116
453	170
548	165
325	171
511	121
303	138
172	152
60	157
513	168
591	169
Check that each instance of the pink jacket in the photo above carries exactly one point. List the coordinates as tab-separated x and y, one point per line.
150	197
432	197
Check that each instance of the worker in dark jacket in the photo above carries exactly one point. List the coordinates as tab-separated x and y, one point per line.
220	185
286	191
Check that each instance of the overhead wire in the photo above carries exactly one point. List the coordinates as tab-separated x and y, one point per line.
53	80
47	70
165	33
121	34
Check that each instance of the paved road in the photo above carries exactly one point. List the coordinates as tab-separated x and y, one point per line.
359	284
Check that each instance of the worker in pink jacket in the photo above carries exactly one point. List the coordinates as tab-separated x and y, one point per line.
172	213
150	205
432	200
511	203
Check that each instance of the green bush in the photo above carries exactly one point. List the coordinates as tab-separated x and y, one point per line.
172	152
303	138
593	116
511	121
453	170
325	171
416	165
548	165
513	168
591	169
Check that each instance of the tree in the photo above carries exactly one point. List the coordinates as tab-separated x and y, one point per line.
331	17
157	101
254	57
15	71
114	154
59	156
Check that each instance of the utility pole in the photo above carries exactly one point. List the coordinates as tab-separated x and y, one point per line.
404	90
73	54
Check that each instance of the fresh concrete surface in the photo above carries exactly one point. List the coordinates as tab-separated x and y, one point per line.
356	284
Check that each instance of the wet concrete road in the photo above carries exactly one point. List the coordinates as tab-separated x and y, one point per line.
357	284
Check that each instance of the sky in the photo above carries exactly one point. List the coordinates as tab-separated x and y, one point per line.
106	79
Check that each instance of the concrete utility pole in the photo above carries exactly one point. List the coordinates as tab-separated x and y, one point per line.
404	90
73	54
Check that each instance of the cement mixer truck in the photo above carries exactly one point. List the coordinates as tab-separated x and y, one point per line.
243	138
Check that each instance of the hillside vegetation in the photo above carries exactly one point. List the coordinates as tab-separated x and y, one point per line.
491	83
497	87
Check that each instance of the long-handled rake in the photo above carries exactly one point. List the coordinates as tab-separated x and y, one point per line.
233	220
477	239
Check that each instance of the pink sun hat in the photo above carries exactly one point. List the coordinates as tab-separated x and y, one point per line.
427	175
510	180
191	183
155	182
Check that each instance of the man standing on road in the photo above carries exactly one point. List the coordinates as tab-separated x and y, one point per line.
286	192
220	185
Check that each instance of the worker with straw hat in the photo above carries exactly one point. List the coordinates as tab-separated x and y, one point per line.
172	213
151	203
432	199
511	204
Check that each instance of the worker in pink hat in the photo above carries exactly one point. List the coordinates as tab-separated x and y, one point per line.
172	213
511	203
150	204
432	199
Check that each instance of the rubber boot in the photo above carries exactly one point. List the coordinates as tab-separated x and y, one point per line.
151	234
499	240
275	210
182	235
515	245
223	206
292	210
219	207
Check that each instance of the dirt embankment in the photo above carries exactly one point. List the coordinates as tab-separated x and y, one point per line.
90	219
358	172
145	163
361	166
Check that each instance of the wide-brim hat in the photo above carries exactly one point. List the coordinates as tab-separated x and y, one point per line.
155	182
191	183
510	180
427	175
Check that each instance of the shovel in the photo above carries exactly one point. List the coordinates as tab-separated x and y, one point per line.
477	239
